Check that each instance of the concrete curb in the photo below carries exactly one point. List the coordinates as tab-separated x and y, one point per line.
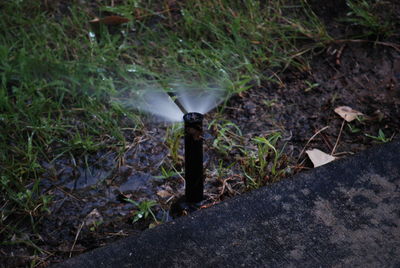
346	213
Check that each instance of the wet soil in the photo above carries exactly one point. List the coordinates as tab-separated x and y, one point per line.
366	79
89	207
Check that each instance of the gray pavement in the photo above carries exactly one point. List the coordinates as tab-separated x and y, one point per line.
343	214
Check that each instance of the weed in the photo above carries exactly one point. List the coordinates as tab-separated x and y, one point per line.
381	137
95	226
310	86
85	143
165	174
228	136
173	138
263	165
353	129
270	103
144	209
221	170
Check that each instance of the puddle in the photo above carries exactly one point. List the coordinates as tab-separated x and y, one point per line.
87	177
139	182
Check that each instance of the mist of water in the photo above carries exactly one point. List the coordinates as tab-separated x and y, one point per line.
160	104
200	100
156	101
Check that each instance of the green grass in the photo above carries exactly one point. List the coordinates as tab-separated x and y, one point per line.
364	13
59	75
54	87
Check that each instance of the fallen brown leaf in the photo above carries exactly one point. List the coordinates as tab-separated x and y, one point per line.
110	20
93	217
164	194
347	113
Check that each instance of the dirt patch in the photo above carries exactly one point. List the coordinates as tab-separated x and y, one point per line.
366	79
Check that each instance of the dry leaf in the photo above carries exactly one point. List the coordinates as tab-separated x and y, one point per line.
110	20
347	113
93	217
163	194
154	224
319	158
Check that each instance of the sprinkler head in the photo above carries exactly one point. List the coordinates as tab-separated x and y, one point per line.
193	157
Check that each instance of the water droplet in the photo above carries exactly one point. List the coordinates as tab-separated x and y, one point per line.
131	69
92	37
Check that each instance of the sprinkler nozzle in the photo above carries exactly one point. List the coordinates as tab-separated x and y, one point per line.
193	157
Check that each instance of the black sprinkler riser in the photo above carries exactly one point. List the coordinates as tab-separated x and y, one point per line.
194	157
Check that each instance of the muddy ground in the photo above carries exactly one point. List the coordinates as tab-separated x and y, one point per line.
89	210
